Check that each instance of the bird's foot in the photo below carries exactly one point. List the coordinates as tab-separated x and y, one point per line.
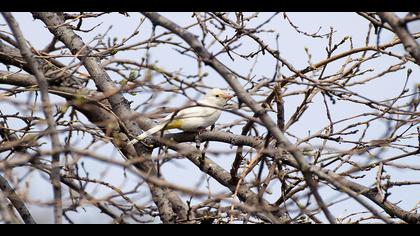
197	142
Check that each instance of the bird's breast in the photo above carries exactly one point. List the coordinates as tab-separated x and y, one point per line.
193	123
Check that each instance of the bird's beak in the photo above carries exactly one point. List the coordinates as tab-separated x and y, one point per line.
227	96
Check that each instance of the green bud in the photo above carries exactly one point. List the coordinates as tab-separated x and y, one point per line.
123	82
114	51
132	76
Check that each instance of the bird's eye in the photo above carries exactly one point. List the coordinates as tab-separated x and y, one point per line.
217	95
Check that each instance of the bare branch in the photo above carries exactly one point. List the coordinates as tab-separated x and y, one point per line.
43	88
17	202
400	28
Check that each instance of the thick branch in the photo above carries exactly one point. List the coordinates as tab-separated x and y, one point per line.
208	58
400	28
46	104
120	106
19	205
335	179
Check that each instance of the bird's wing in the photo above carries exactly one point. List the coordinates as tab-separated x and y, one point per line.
191	112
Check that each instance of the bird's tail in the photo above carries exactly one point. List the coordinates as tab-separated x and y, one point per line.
144	135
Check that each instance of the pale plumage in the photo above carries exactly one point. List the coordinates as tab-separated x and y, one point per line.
192	118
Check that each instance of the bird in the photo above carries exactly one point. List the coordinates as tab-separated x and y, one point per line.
191	119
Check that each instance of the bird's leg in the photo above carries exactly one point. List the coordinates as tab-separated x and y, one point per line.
197	142
197	137
206	145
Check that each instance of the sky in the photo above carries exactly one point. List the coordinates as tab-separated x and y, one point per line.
291	46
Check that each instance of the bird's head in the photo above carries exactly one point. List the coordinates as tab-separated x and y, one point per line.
218	97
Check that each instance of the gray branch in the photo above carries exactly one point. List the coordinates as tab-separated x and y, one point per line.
19	205
210	60
43	88
400	28
120	106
